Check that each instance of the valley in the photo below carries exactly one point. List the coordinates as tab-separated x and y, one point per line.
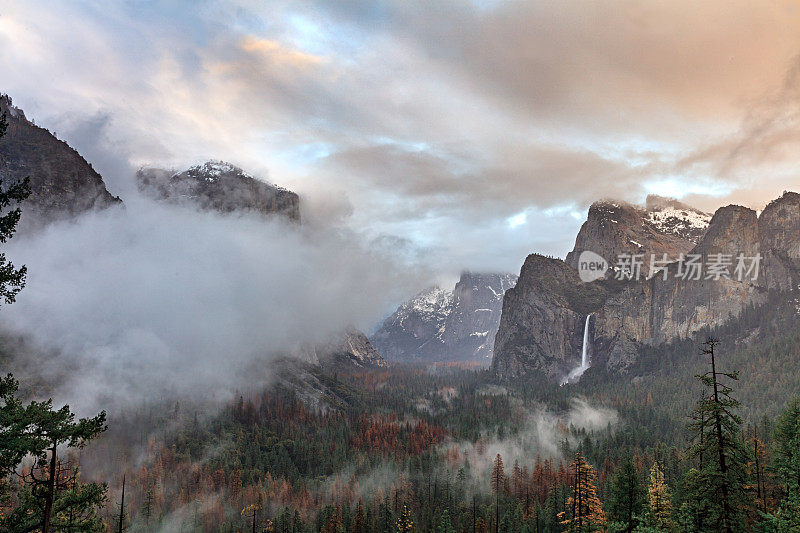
399	267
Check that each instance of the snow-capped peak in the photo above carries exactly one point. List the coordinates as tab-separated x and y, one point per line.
211	170
670	216
431	300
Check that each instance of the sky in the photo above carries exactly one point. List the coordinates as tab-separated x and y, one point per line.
464	134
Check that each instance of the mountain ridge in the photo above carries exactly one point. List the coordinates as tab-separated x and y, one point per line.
439	325
540	326
218	186
63	183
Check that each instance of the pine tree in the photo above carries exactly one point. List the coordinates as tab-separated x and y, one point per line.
404	523
360	519
147	505
497	483
786	463
756	467
122	516
786	443
445	524
584	510
659	500
385	517
251	514
626	500
51	487
335	523
12	279
717	487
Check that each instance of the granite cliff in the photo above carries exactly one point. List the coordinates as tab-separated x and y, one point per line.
63	184
447	325
543	316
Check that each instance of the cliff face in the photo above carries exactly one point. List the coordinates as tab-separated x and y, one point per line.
447	325
664	226
657	310
219	186
779	235
63	184
471	326
347	349
541	326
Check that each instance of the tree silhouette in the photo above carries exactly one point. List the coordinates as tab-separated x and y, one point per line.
497	483
50	488
718	484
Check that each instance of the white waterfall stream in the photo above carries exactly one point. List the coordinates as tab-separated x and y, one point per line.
576	373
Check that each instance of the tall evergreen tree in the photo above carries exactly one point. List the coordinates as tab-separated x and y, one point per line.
497	483
786	463
786	444
626	498
716	488
360	519
757	470
659	500
405	524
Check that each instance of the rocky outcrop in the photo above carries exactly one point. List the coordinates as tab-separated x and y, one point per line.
350	348
63	184
779	236
664	226
219	186
542	320
447	325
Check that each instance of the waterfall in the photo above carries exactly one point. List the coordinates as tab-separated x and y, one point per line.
585	348
576	373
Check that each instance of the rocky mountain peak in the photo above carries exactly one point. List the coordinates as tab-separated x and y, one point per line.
673	217
779	225
779	235
613	228
348	348
7	106
63	184
447	325
219	186
733	229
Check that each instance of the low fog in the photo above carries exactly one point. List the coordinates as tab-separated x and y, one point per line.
132	304
544	433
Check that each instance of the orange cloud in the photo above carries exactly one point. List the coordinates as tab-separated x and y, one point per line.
278	53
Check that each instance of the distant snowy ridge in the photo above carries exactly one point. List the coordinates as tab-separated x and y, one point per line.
439	325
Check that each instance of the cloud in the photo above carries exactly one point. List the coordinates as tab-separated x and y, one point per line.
151	300
430	116
544	433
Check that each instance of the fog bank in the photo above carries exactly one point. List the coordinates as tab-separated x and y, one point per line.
152	299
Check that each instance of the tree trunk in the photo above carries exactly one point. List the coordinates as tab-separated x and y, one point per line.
51	490
723	468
